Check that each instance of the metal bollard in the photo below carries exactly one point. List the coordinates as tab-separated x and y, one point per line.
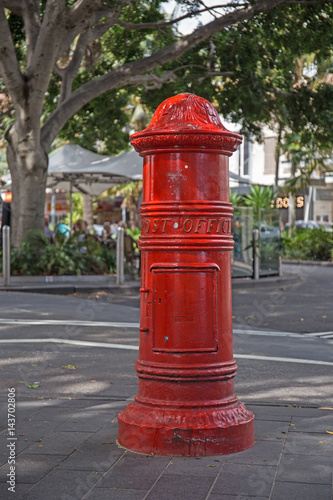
6	255
256	254
120	256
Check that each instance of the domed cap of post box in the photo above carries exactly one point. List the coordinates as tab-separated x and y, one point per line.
186	122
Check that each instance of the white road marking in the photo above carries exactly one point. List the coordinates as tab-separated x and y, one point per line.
284	360
265	333
68	341
69	322
325	335
118	324
136	348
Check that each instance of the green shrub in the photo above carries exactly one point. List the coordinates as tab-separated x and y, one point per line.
38	256
308	244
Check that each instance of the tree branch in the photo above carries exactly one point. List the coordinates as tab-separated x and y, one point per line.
50	34
153	81
163	24
128	73
90	22
15	6
68	74
9	67
31	17
307	2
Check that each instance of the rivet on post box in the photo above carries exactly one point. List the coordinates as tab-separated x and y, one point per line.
186	405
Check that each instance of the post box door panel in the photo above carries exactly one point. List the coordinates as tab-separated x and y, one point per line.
184	313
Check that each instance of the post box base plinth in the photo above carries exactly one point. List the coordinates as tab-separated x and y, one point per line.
195	432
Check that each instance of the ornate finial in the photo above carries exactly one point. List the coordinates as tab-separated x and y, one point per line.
186	122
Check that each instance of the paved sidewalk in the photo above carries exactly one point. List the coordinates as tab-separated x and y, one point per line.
67	428
65	285
68	451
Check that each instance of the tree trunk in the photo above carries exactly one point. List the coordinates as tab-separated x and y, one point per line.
277	157
28	164
292	197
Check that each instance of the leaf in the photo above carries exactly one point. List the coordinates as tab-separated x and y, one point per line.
329	432
325	408
70	367
33	386
210	465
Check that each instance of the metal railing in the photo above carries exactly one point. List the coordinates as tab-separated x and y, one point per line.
6	255
120	256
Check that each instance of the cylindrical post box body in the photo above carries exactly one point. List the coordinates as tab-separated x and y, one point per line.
186	404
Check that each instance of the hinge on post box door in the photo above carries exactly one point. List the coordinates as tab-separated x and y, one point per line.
145	310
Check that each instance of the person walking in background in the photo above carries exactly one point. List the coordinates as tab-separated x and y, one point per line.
47	231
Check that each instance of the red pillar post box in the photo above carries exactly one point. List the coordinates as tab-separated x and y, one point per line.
186	404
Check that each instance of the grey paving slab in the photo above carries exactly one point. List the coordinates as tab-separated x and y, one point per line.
49	413
194	488
301	443
110	406
262	453
281	411
20	489
319	424
40	409
234	497
242	479
31	468
268	413
107	435
63	485
270	430
115	494
84	422
57	443
206	466
305	469
134	471
30	432
95	457
301	491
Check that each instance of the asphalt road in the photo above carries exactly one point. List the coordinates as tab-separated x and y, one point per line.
87	348
303	306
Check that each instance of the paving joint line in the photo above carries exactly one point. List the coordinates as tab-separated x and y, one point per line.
215	480
102	476
159	477
280	459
